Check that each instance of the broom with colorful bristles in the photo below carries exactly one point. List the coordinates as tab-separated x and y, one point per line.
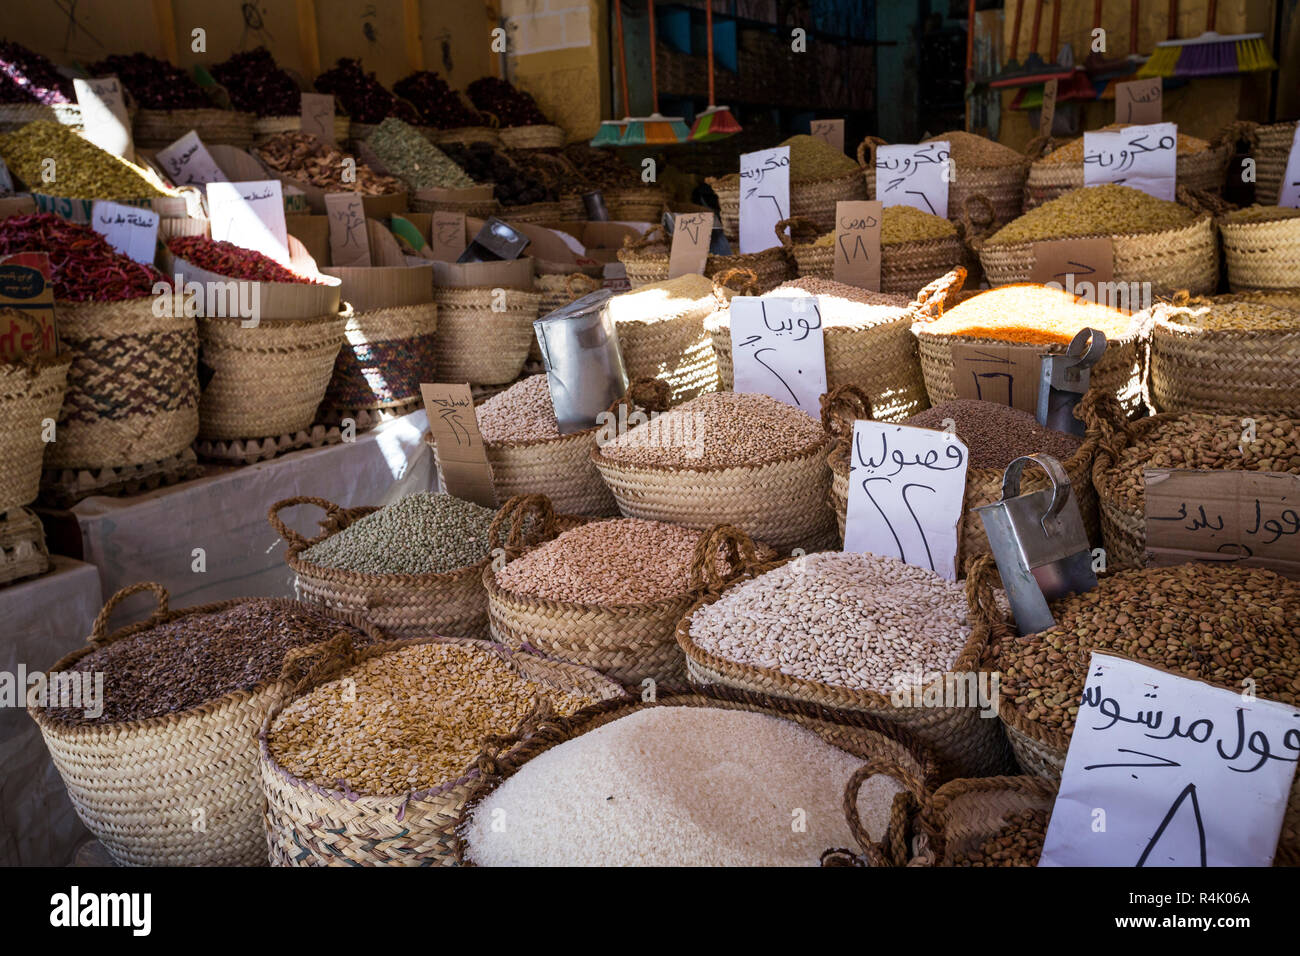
655	129
716	122
1210	54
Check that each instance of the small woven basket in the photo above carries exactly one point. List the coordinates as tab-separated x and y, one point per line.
264	127
1270	147
634	203
478	344
541	136
268	380
154	129
1261	255
133	392
385	356
310	825
813	199
31	392
135	784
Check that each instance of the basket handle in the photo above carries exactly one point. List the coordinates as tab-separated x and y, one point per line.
1234	132
296	541
516	511
867	151
1038	147
974	226
1106	422
334	650
841	407
654	235
929	303
741	556
573	279
1203	201
796	224
748	279
99	630
981	575
878	853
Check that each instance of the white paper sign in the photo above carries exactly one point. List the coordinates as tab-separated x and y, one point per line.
1169	771
130	230
777	349
906	487
915	176
764	197
1289	195
187	162
103	115
1143	157
250	215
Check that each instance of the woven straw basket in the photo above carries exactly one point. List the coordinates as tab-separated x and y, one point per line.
1121	371
1262	255
402	605
634	203
477	344
31	391
629	642
135	783
16	115
1205	170
532	212
476	208
465	135
264	127
964	743
780	503
542	136
905	267
154	129
646	261
268	380
1002	186
385	356
132	389
1222	371
844	405
880	743
309	825
1271	146
812	199
558	290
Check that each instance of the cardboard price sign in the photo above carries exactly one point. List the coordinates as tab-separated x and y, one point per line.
764	197
250	215
906	487
447	235
829	131
778	350
462	456
1140	101
1005	373
1289	194
1143	157
187	162
104	116
130	230
857	243
1074	264
1247	517
1047	114
915	176
1186	774
318	116
26	306
349	245
690	248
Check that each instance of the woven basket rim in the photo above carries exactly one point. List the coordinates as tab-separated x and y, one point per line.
1164	322
821	448
1020	248
1030	785
375	579
1280	223
35	365
278	325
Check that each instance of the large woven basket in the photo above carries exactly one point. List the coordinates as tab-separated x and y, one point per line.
841	407
1270	147
631	643
264	127
477	344
1205	170
31	392
646	261
136	784
310	825
634	203
1261	255
385	356
268	380
541	136
1222	371
1002	186
880	743
133	391
1121	371
154	129
965	743
813	199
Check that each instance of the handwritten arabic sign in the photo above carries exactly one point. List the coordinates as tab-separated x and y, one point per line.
777	349
318	116
187	162
914	176
857	243
130	230
1164	770
103	115
349	245
1001	372
1289	194
1248	517
447	230
1088	261
250	215
1140	101
764	197
1143	157
906	487
829	131
462	457
690	249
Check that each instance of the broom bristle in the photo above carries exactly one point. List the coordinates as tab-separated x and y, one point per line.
1253	56
1162	62
1207	59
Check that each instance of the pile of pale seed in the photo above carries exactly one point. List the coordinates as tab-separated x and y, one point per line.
843	305
678	786
737	429
409	720
1241	316
1216	623
996	434
523	412
420	534
853	620
663	301
1109	210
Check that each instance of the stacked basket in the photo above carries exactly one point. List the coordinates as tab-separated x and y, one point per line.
484	331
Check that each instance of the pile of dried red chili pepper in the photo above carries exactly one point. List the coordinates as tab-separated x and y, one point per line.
228	259
85	267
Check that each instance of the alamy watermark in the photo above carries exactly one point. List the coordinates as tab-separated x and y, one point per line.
679	430
233	299
955	689
1127	296
82	690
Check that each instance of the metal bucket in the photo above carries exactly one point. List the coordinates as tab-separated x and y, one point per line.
584	364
